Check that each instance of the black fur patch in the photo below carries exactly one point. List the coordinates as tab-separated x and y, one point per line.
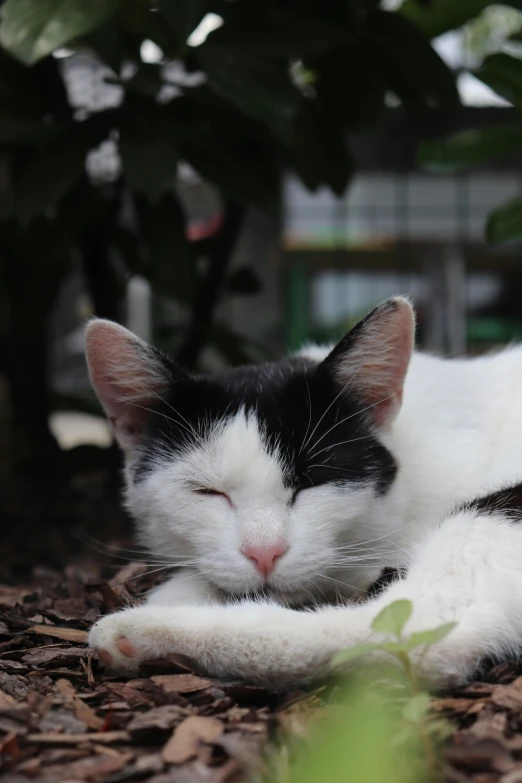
507	500
322	436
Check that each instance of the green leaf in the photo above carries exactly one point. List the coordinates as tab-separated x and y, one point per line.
260	88
436	18
505	223
393	647
469	148
149	154
393	618
142	19
184	15
113	44
291	34
318	148
227	148
355	103
503	74
428	637
411	67
353	653
416	708
54	168
245	281
170	268
19	127
32	29
146	81
232	168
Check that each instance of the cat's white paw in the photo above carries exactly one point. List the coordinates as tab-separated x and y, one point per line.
123	639
248	640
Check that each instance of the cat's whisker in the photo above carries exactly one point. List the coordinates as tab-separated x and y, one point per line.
342	443
309	417
140	576
362	553
362	559
358	413
345	388
366	541
137	557
330	467
337	424
164	415
189	425
343	584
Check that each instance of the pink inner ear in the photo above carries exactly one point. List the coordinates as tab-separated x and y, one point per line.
375	365
126	376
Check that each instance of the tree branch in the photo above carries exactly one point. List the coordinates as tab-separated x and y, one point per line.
207	297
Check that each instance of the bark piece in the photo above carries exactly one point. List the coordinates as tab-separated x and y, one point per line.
188	736
68	634
181	683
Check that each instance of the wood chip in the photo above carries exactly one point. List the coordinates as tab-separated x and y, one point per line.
53	738
94	769
158	719
81	710
187	737
6	701
63	717
11	596
9	745
181	683
58	656
68	634
508	695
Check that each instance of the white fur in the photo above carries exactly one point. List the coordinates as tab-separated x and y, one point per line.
234	459
458	435
478	586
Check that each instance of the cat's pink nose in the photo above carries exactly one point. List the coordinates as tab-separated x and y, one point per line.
264	557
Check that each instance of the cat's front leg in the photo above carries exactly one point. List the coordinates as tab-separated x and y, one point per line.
258	642
185	588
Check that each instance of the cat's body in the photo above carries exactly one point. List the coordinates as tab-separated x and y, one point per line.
457	436
301	481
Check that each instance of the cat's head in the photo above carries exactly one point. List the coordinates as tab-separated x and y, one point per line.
262	477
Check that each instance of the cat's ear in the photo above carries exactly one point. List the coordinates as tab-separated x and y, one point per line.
128	376
372	360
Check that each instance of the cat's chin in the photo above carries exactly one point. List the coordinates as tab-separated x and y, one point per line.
300	598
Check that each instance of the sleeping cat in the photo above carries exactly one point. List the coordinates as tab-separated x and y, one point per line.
295	483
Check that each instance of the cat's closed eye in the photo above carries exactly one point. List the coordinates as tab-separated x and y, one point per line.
210	491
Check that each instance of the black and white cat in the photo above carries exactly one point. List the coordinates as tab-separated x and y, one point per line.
296	482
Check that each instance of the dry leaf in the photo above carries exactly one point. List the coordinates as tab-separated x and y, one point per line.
186	739
181	683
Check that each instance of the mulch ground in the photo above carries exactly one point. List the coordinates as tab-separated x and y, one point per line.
63	718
